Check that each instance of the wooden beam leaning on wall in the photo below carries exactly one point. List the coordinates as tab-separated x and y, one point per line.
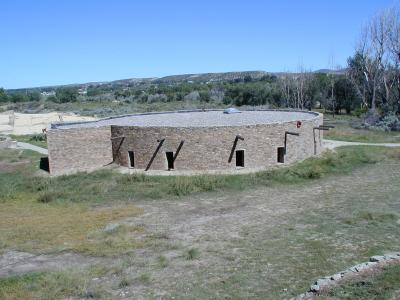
119	146
238	137
178	150
160	143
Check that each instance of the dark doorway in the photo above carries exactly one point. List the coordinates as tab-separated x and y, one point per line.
170	160
44	164
281	155
131	155
239	158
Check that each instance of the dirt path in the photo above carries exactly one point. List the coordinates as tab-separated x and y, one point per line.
331	144
27	146
16	262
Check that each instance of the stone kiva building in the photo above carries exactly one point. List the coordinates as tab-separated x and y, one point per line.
199	141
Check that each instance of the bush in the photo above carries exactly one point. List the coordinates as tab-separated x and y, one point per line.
182	186
185	185
67	94
358	112
37	138
193	253
389	123
47	197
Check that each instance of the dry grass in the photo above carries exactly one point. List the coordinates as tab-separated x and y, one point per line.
344	131
53	285
42	228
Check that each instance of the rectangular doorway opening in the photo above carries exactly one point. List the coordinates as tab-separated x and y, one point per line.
239	158
131	155
170	160
281	155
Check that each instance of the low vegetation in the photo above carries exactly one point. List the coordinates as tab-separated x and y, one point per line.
274	231
384	285
107	186
71	212
52	285
34	139
349	128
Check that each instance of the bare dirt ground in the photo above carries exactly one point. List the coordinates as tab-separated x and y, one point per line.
19	123
16	262
267	243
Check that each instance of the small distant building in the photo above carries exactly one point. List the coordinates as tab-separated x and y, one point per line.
47	94
82	91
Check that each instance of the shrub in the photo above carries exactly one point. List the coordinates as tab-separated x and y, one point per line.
182	186
37	138
126	179
358	112
46	197
193	253
163	261
389	123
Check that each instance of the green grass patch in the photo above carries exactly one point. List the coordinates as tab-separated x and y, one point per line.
109	186
34	139
192	254
344	131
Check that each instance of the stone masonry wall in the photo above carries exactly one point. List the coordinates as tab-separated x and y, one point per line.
209	148
80	149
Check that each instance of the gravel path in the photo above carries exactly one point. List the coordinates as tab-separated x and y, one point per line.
332	144
27	146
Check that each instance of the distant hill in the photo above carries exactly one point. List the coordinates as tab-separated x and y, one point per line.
175	79
211	77
328	71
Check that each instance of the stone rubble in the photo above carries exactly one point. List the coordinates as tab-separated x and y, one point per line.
330	281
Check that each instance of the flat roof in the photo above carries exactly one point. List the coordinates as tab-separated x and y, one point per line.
208	118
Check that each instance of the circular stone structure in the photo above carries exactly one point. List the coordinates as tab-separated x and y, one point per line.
195	141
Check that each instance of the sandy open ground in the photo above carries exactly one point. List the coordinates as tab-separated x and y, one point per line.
19	124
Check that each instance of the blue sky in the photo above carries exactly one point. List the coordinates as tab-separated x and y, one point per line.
71	41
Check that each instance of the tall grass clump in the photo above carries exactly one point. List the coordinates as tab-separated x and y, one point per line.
185	185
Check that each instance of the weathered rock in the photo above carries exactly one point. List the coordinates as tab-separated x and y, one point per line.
392	256
371	263
336	276
111	227
352	269
315	288
323	281
361	267
377	258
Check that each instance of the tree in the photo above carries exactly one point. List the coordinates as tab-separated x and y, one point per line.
52	98
368	67
67	94
345	95
205	96
3	96
394	49
18	97
33	96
